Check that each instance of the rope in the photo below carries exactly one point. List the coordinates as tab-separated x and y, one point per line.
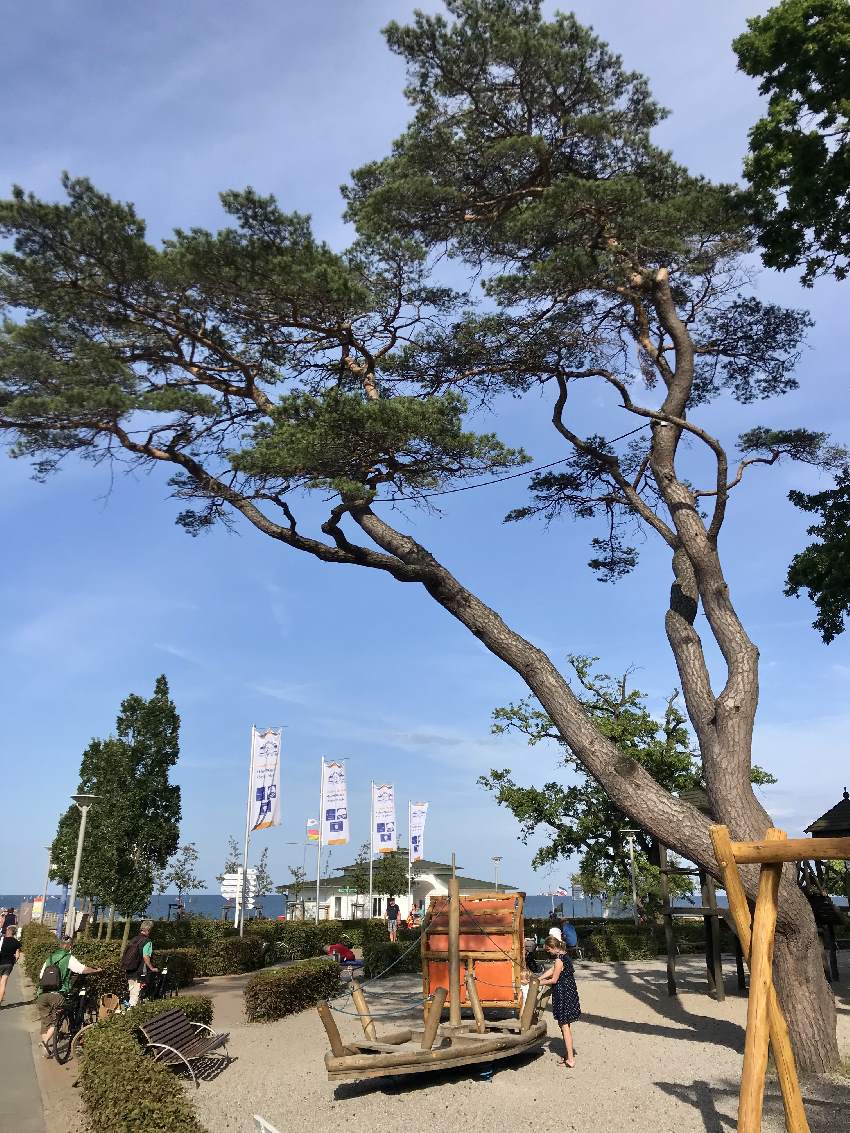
497	479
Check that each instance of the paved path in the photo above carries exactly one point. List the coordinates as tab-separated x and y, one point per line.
22	1107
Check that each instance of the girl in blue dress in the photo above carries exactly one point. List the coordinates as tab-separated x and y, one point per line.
565	1002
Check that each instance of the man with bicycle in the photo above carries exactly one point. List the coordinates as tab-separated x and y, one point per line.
55	981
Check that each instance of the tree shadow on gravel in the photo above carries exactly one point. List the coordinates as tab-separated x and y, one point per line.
827	1104
649	986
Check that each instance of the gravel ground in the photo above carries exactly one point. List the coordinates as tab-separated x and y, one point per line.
643	1062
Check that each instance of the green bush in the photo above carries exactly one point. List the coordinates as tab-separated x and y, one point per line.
283	991
379	955
619	940
37	942
229	955
123	1089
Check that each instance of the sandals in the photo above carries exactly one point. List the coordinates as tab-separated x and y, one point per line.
48	1053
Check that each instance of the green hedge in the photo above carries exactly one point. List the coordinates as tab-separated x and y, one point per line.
615	940
283	991
378	956
124	1090
228	956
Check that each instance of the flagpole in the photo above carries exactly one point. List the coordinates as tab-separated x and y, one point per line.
247	836
371	842
321	830
409	852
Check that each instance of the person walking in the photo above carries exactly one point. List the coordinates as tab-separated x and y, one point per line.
10	919
54	983
136	961
10	949
565	1001
393	913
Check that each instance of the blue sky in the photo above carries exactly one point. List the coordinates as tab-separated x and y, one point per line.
101	592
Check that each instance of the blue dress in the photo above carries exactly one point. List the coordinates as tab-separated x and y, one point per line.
565	1002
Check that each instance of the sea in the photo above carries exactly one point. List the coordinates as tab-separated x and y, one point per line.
212	906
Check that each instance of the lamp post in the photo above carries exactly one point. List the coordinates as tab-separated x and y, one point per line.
83	801
630	838
46	880
496	860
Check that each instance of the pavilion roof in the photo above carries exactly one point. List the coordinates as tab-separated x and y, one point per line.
835	822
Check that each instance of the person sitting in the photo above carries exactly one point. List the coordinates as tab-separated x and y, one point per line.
343	956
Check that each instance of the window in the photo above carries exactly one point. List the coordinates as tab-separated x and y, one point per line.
337	908
376	906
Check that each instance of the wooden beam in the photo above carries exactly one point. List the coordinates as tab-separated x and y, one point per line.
432	1020
474	1002
751	1098
454	954
331	1029
792	850
530	1004
780	1041
363	1011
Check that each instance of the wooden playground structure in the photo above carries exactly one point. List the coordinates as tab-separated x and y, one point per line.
483	934
766	1025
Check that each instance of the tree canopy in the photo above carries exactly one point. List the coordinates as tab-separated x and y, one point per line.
256	364
798	166
823	568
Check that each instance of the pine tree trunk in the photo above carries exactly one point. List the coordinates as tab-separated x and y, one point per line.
111	923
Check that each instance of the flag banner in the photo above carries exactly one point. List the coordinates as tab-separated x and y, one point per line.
334	805
561	892
418	814
265	779
383	815
312	829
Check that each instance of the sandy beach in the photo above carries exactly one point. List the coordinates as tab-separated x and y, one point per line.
644	1062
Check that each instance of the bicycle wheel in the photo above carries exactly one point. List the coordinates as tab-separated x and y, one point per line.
79	1041
62	1035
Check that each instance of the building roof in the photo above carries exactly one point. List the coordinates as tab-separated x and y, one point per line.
424	865
835	822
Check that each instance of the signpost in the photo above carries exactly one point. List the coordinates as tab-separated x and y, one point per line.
232	887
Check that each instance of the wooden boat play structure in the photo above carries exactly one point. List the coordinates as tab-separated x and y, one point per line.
485	932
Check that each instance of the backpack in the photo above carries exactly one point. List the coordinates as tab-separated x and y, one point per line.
570	936
131	960
53	977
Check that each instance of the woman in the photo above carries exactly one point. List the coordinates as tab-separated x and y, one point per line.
10	948
565	1002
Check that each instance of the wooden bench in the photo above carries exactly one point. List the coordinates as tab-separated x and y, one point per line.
178	1041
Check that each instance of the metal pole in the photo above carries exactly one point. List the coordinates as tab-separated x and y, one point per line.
46	881
71	922
371	842
241	910
321	828
454	947
631	839
409	859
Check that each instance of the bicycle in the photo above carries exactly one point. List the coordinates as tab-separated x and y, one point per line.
78	1011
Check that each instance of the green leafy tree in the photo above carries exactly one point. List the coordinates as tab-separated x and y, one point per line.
264	878
180	872
255	363
579	817
799	161
823	568
233	859
358	875
296	886
390	874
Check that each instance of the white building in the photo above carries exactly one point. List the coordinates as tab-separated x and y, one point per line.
339	899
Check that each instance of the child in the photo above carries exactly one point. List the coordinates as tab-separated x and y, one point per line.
565	1003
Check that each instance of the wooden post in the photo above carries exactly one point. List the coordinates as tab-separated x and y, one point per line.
780	1041
475	1002
326	1015
739	965
363	1010
751	1099
454	947
669	939
714	959
432	1021
530	1004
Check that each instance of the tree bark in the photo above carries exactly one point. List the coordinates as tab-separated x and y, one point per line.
126	934
111	923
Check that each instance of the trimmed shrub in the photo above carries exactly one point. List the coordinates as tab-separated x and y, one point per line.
617	940
37	942
228	955
123	1089
379	955
283	991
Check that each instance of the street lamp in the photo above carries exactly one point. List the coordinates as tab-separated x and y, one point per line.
496	860
46	880
83	801
630	838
